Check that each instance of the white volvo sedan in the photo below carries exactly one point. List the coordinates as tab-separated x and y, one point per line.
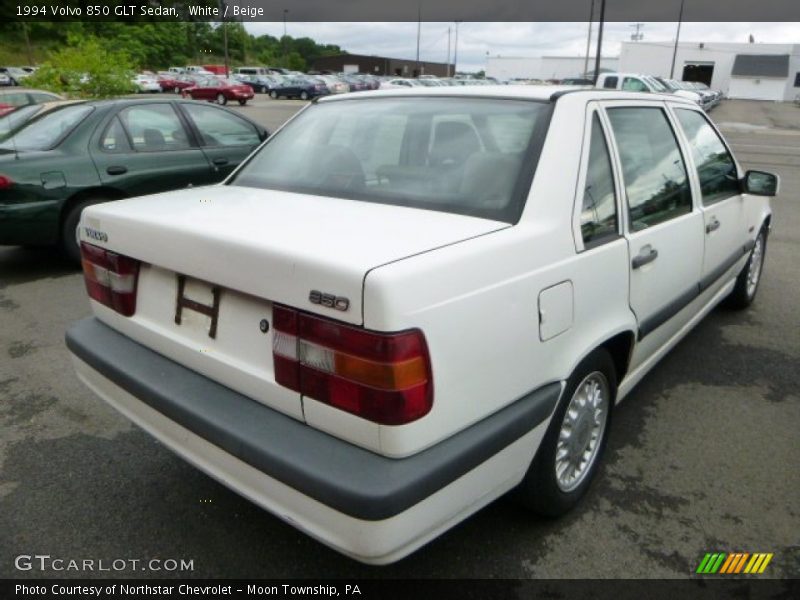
407	303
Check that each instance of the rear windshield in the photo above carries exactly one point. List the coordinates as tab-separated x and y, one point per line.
46	131
471	156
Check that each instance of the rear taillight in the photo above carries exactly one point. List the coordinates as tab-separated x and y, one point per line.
6	182
382	377
110	278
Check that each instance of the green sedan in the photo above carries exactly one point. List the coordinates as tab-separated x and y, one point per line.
77	154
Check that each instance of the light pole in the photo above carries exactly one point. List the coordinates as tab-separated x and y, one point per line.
599	41
448	52
675	49
455	51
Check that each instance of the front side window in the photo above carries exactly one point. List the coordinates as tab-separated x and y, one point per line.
716	169
599	210
154	127
220	128
459	155
656	184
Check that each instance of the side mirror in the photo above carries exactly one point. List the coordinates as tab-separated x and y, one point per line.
760	183
263	135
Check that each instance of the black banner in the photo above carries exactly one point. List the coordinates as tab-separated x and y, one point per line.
384	589
381	10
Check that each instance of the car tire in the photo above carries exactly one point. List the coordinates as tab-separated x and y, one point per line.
68	242
242	102
273	94
304	95
221	99
554	484
744	292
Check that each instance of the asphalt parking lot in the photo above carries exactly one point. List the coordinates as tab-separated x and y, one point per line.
703	455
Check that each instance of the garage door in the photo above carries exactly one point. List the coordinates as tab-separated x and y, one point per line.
757	89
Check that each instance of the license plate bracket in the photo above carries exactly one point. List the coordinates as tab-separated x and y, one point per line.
182	302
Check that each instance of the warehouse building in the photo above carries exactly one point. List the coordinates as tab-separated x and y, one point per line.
505	68
739	70
380	65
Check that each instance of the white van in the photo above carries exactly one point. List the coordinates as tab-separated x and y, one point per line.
251	71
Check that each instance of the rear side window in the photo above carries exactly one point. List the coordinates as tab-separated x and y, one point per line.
656	184
599	210
470	156
716	169
154	127
114	139
610	82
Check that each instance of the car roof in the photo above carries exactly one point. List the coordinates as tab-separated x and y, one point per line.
522	92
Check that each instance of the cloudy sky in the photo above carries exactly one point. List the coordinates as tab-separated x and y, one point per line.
477	40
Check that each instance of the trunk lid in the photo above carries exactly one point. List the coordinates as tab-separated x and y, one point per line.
275	245
216	259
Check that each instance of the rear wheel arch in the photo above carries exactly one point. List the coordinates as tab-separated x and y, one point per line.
620	347
70	214
99	193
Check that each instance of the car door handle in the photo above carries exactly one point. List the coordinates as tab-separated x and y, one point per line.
220	161
116	170
713	225
647	255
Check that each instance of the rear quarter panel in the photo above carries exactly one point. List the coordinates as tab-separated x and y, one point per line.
477	301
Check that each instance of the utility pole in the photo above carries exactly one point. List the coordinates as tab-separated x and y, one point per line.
599	40
448	52
28	43
677	37
419	27
455	51
588	41
225	37
283	39
636	37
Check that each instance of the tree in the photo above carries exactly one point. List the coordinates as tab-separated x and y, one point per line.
85	70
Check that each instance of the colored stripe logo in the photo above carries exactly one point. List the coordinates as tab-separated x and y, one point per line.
734	563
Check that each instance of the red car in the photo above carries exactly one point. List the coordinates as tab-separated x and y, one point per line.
175	83
219	90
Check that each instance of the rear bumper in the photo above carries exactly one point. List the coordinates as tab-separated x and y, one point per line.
373	508
29	222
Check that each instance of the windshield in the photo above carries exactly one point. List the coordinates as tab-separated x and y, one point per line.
668	84
471	156
657	85
46	131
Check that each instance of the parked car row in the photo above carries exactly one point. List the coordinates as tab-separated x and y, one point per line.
14	75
